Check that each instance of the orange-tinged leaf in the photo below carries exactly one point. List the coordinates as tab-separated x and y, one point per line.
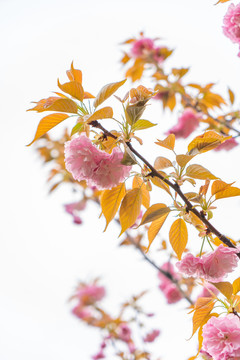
139	183
110	202
74	74
236	286
171	102
182	159
178	237
130	209
87	95
154	229
56	104
230	93
104	113
168	143
106	92
155	212
47	123
202	311
229	192
142	125
221	1
208	141
135	72
73	88
159	183
218	186
199	172
225	288
162	163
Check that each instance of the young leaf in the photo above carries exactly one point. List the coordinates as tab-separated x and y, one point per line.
199	172
203	307
139	183
182	160
110	201
236	286
130	209
106	92
47	123
154	229
178	237
155	212
221	1
218	186
142	125
230	93
229	192
159	183
54	103
162	163
104	113
208	141
74	74
225	288
168	143
77	128
73	88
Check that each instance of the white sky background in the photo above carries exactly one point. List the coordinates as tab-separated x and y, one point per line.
43	254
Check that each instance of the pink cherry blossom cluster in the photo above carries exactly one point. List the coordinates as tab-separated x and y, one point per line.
74	208
221	338
170	290
86	162
227	145
150	337
145	48
212	267
187	123
231	24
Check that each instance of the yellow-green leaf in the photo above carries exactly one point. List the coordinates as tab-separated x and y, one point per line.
154	229
225	288
73	88
104	113
208	141
142	125
168	143
130	209
182	160
162	163
139	183
236	286
110	202
199	172
155	212
106	92
47	123
178	237
218	186
229	192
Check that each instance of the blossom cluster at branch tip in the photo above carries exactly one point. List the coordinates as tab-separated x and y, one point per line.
231	24
187	123
86	162
74	208
168	288
221	337
212	267
145	48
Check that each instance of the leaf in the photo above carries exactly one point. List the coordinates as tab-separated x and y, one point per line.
77	128
182	160
110	202
139	183
47	123
178	237
155	212
208	141
159	183
104	113
130	209
168	143
221	1
229	192
230	93
199	172
154	229
218	186
225	288
162	163
236	286
73	88
74	74
203	307
142	125
106	92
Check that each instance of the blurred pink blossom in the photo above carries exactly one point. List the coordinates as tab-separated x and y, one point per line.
227	145
81	312
124	332
86	162
142	47
99	355
231	24
74	208
150	337
187	123
208	290
170	290
221	337
89	294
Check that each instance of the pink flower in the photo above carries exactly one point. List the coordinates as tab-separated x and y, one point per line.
187	123
73	210
86	162
208	290
99	355
151	336
219	263
231	24
170	290
81	312
205	355
221	337
227	145
89	294
142	47
157	55
212	267
124	332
